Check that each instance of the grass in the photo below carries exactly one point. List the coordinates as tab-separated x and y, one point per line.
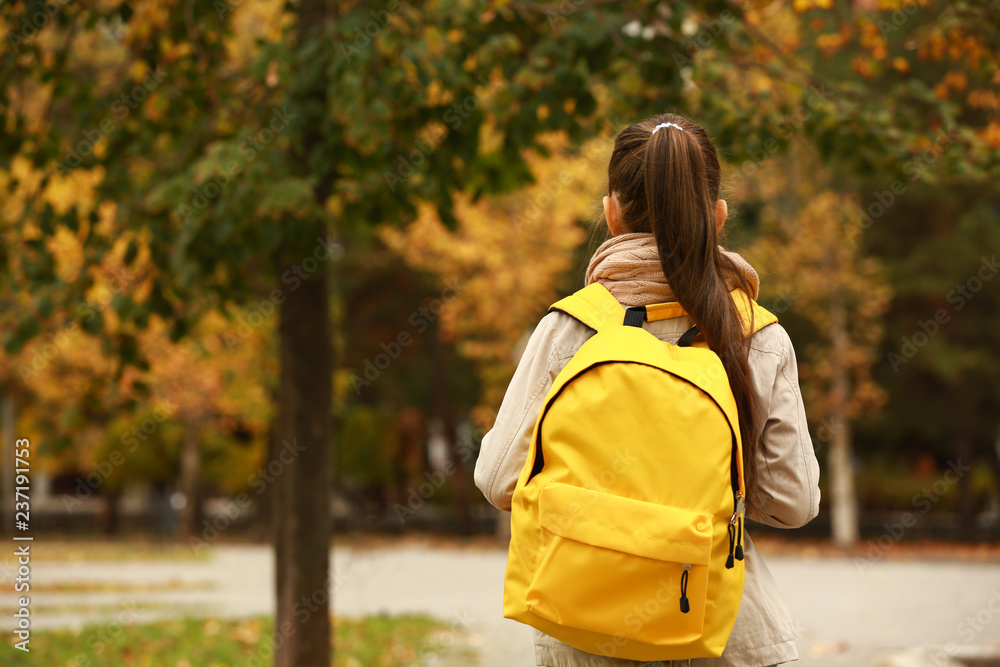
126	550
96	610
372	641
122	587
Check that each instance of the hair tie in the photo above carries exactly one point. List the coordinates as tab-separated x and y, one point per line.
666	125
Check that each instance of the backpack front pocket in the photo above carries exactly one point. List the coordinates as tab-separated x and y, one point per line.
627	568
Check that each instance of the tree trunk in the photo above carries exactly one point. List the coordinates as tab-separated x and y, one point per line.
843	497
304	425
966	501
262	527
190	471
444	413
302	498
7	447
113	512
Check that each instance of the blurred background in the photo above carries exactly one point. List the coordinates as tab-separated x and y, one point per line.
267	268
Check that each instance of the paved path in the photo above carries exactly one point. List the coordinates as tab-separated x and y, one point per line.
882	614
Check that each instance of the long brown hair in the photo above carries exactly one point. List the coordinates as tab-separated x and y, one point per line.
667	182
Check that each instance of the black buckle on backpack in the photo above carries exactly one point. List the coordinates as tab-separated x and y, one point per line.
689	335
635	316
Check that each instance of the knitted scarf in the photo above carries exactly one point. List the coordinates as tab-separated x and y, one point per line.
629	266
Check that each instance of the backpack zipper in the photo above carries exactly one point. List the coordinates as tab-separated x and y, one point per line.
685	604
735	529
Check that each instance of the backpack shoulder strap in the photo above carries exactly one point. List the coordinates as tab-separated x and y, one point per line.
593	306
751	311
596	308
754	316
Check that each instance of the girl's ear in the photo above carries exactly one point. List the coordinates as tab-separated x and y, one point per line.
721	213
612	213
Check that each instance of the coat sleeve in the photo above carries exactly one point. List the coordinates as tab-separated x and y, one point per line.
787	468
505	447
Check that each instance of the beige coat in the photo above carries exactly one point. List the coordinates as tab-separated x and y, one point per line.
788	475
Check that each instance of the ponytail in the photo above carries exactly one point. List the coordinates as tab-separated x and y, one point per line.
666	174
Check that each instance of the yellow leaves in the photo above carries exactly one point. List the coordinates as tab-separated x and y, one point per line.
253	23
107	212
983	98
28	180
956	81
149	19
871	38
438	95
508	253
898	5
801	6
991	135
174	51
212	627
863	66
247	632
77	188
879	50
138	70
933	48
900	64
67	249
831	43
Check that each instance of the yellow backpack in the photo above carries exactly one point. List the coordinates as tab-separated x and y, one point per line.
627	518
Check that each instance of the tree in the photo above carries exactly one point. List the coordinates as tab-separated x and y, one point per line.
812	269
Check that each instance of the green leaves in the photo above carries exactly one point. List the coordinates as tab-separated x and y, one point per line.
26	329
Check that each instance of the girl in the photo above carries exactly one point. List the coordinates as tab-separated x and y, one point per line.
664	213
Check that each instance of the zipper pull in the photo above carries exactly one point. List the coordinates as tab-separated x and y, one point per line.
740	513
731	529
685	605
739	539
